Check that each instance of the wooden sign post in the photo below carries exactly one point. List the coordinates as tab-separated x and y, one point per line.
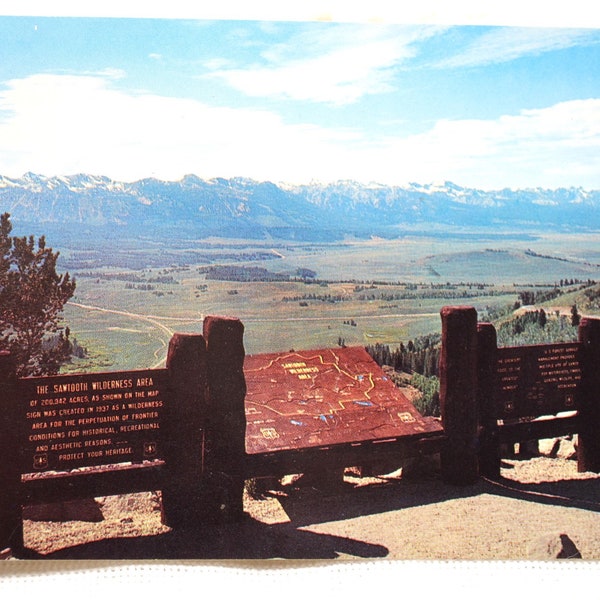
179	429
225	457
184	432
458	394
524	393
588	451
11	525
489	442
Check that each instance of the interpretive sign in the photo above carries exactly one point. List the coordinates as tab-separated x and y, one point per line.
318	398
538	380
93	419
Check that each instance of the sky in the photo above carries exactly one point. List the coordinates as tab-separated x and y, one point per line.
297	101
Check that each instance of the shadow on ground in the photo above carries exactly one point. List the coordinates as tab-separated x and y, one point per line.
307	507
252	539
575	493
248	539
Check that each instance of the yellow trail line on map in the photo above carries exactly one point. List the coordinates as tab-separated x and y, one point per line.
366	393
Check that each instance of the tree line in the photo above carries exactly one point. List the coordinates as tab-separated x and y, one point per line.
416	356
420	358
538	327
531	297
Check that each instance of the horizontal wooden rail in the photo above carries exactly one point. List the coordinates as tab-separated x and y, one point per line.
92	484
286	462
538	430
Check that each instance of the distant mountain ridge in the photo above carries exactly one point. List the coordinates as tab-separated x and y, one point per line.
240	207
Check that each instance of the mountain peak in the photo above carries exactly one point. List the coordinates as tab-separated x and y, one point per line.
239	206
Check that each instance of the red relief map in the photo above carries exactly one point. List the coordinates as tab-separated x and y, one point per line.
323	397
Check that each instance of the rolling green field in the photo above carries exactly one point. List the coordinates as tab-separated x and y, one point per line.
363	292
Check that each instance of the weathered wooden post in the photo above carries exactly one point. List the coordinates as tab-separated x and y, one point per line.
224	469
588	450
184	432
11	522
489	441
458	394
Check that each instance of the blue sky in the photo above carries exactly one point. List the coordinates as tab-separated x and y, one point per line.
481	106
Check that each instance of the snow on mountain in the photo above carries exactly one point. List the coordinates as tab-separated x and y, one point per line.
240	207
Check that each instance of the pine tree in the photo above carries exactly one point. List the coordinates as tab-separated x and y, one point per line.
542	318
575	318
32	297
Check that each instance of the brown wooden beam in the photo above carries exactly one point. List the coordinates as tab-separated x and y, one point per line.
224	468
11	524
458	394
539	430
588	450
489	442
184	431
109	481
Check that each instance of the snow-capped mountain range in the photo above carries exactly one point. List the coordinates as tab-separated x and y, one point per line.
241	207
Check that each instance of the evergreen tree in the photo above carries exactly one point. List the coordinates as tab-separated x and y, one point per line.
32	296
575	318
542	318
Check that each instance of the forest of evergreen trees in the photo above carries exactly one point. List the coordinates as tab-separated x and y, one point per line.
417	356
420	357
538	327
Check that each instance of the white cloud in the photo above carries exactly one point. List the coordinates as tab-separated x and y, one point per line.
550	147
61	124
64	124
337	65
510	43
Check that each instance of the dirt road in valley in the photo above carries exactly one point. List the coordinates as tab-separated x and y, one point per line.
154	320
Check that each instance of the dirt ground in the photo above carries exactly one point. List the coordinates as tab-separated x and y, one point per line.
542	508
